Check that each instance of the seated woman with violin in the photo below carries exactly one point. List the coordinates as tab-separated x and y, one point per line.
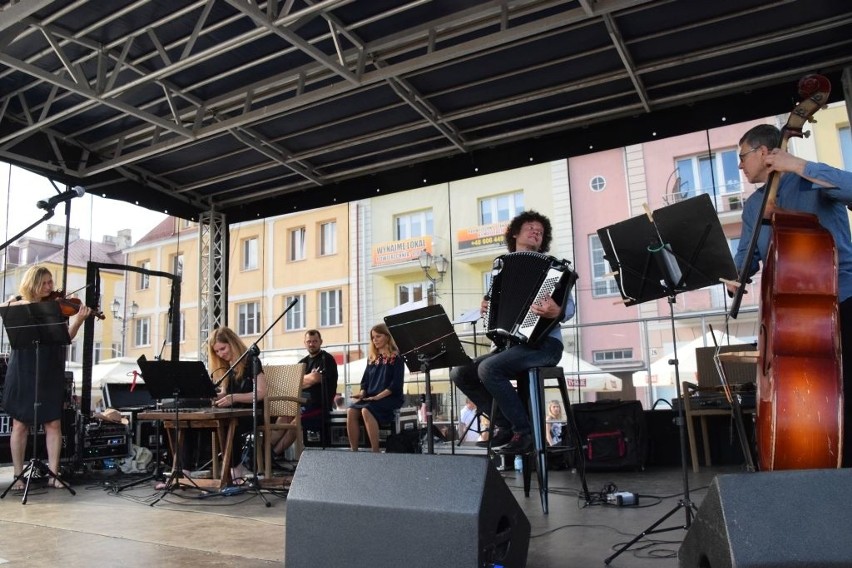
19	392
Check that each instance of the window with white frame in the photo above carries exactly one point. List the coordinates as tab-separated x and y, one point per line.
181	330
328	238
597	183
602	285
411	292
143	281
176	262
116	350
612	356
716	174
331	308
846	147
295	318
249	254
141	332
97	352
248	318
414	224
297	244
497	208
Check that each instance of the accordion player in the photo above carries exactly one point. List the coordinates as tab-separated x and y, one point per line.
520	279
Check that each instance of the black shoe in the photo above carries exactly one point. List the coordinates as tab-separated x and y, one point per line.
520	444
501	436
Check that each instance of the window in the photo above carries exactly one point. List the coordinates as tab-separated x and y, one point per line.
410	292
295	318
176	263
181	331
415	224
500	207
328	238
142	332
249	252
143	282
116	350
846	147
97	352
612	356
248	319
331	308
597	183
714	174
297	244
601	285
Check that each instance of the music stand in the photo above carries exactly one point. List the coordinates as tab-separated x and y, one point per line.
676	249
38	323
427	340
176	379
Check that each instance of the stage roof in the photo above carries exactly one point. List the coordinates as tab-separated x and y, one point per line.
256	109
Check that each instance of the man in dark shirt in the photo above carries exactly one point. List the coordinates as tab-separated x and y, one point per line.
319	387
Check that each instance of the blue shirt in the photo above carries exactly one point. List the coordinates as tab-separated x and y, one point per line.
827	203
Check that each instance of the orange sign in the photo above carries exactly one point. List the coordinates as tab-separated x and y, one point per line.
396	252
481	235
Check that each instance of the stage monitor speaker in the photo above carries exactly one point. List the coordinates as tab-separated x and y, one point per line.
392	510
775	519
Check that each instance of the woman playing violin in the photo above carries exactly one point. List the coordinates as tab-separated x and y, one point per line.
19	391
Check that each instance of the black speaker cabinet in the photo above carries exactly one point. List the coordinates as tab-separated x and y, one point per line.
773	519
391	510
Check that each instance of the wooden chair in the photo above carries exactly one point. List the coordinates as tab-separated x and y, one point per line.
283	398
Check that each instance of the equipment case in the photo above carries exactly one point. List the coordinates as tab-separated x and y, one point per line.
612	434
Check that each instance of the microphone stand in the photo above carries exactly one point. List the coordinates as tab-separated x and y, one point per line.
253	353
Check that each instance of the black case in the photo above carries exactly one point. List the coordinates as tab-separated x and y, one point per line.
612	433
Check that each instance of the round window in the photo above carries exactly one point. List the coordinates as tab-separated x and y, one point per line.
597	183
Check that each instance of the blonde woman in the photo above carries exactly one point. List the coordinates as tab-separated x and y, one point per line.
381	389
19	391
555	422
224	347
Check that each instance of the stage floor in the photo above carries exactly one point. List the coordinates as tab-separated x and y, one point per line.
98	526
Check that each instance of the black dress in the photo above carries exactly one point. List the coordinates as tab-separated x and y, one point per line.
19	391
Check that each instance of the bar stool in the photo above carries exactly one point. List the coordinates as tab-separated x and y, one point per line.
531	391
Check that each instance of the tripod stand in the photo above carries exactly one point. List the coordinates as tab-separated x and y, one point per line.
176	379
427	341
686	250
38	324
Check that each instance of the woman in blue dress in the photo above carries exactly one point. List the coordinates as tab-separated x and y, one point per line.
381	389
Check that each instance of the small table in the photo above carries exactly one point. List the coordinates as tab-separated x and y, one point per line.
223	422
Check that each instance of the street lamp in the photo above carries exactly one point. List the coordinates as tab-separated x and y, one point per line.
118	315
441	264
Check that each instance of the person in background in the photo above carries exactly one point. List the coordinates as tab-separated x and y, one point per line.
469	423
555	422
19	393
339	402
809	187
381	389
318	386
224	347
489	377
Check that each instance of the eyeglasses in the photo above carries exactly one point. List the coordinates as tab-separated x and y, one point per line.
744	154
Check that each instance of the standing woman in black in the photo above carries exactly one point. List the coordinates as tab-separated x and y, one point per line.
19	392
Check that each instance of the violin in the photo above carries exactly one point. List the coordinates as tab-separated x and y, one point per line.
70	306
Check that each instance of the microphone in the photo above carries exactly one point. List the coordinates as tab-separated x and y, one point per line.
49	204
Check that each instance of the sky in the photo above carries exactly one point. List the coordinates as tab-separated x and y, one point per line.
20	190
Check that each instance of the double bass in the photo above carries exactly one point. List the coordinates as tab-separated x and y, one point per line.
799	421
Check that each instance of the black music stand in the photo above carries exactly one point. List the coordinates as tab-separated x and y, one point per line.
427	340
676	249
176	379
39	323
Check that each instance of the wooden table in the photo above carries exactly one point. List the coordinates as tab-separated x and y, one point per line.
223	422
